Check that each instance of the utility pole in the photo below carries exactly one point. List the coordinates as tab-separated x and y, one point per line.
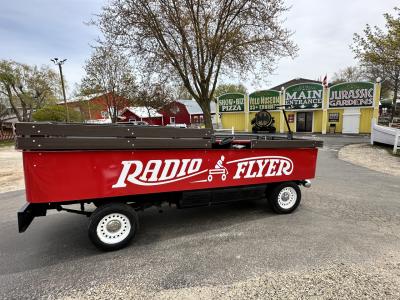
59	63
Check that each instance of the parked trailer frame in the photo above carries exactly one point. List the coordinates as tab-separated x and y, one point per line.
122	169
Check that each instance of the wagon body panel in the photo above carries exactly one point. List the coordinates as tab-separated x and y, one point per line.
122	169
59	176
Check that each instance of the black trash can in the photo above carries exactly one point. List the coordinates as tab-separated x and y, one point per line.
332	128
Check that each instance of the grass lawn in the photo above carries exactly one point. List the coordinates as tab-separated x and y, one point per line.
7	143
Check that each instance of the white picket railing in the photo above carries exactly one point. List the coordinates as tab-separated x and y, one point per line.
385	135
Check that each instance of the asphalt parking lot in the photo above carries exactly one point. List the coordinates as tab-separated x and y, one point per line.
342	242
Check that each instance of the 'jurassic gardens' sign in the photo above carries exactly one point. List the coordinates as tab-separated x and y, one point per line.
231	103
304	96
263	100
351	94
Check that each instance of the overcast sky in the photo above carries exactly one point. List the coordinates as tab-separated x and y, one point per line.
33	31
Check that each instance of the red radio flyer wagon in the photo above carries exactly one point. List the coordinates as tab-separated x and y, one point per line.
122	169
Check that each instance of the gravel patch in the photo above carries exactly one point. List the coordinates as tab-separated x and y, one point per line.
11	170
372	157
339	281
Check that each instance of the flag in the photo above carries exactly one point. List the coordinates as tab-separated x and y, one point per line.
325	81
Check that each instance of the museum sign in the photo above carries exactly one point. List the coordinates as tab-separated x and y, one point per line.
260	100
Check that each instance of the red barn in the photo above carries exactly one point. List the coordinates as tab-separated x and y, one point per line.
95	107
184	112
141	113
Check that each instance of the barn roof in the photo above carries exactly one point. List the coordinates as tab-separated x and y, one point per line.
142	112
81	98
194	108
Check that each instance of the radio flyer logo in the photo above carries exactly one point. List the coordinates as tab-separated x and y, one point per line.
219	169
159	172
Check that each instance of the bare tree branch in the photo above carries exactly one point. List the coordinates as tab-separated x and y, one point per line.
379	52
109	72
28	88
196	41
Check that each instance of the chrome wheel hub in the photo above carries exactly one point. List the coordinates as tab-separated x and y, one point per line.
113	228
287	197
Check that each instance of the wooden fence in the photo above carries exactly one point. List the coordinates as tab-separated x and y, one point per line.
386	135
6	135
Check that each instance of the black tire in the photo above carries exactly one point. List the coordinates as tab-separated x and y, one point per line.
108	238
279	202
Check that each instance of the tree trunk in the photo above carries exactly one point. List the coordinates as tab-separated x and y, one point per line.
205	106
114	117
114	109
24	112
1	129
148	111
30	114
396	89
13	107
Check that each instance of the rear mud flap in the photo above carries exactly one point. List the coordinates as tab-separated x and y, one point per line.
28	212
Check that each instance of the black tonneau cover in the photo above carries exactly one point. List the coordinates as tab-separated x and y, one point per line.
78	136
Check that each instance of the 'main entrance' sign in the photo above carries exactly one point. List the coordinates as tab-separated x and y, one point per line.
304	96
263	100
351	94
233	102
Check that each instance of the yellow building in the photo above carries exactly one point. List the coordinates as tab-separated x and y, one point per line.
310	107
233	110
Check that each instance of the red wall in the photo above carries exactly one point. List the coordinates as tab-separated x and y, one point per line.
152	121
93	108
177	110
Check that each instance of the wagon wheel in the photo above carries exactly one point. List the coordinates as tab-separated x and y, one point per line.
285	197
112	226
210	178
223	177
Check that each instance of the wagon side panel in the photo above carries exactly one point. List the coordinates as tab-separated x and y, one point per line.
57	176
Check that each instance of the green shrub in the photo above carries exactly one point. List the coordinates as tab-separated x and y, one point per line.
56	113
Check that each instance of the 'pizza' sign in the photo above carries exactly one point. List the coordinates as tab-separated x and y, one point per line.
232	102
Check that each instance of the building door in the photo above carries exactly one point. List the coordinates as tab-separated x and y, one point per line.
351	120
304	121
